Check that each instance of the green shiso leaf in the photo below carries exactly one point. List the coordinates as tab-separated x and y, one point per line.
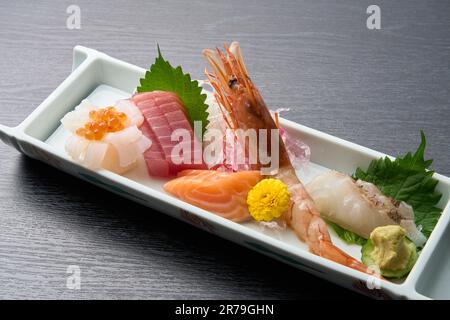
163	77
348	236
408	179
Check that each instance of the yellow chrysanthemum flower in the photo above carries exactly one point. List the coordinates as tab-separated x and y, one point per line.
268	199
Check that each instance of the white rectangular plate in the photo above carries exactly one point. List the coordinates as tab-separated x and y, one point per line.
103	80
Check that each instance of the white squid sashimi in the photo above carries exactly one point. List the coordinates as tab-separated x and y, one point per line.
126	144
95	154
76	147
135	117
143	144
77	118
117	151
360	206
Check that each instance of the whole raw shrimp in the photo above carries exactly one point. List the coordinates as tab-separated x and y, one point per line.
242	107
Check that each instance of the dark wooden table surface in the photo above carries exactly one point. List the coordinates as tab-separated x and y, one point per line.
373	87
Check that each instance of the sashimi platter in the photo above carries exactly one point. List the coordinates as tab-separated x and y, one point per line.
212	153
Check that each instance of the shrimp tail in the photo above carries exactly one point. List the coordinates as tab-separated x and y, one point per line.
304	218
320	243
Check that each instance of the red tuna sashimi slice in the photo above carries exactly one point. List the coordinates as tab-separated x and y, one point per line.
164	113
154	107
159	165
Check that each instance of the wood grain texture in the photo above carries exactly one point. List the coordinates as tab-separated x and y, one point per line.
316	57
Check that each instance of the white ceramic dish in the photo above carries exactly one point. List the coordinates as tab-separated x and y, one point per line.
104	80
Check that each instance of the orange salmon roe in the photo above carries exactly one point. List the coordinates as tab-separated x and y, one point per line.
102	121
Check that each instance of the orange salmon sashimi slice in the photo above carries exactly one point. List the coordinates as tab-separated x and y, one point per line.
223	193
